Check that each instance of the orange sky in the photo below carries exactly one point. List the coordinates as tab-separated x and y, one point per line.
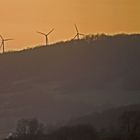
20	19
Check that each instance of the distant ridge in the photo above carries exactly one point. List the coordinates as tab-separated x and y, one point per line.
89	38
104	55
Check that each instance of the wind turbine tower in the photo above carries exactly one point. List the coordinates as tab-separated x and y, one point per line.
3	43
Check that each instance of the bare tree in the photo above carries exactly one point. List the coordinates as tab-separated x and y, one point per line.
130	121
29	127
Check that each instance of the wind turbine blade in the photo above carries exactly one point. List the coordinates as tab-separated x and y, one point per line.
82	34
41	33
76	28
75	37
8	39
50	32
1	37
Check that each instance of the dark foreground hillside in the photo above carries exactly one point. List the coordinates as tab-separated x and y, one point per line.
69	79
109	119
121	123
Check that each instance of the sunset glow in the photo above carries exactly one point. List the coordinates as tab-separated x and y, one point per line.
20	19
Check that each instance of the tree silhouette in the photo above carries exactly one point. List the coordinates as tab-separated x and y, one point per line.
130	121
77	132
29	128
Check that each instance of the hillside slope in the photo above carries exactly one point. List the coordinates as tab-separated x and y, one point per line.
69	79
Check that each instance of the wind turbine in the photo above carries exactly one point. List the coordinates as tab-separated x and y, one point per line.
78	34
46	35
3	42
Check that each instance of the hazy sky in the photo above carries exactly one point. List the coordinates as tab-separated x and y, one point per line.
20	19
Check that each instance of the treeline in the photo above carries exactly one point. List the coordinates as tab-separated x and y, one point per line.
32	129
